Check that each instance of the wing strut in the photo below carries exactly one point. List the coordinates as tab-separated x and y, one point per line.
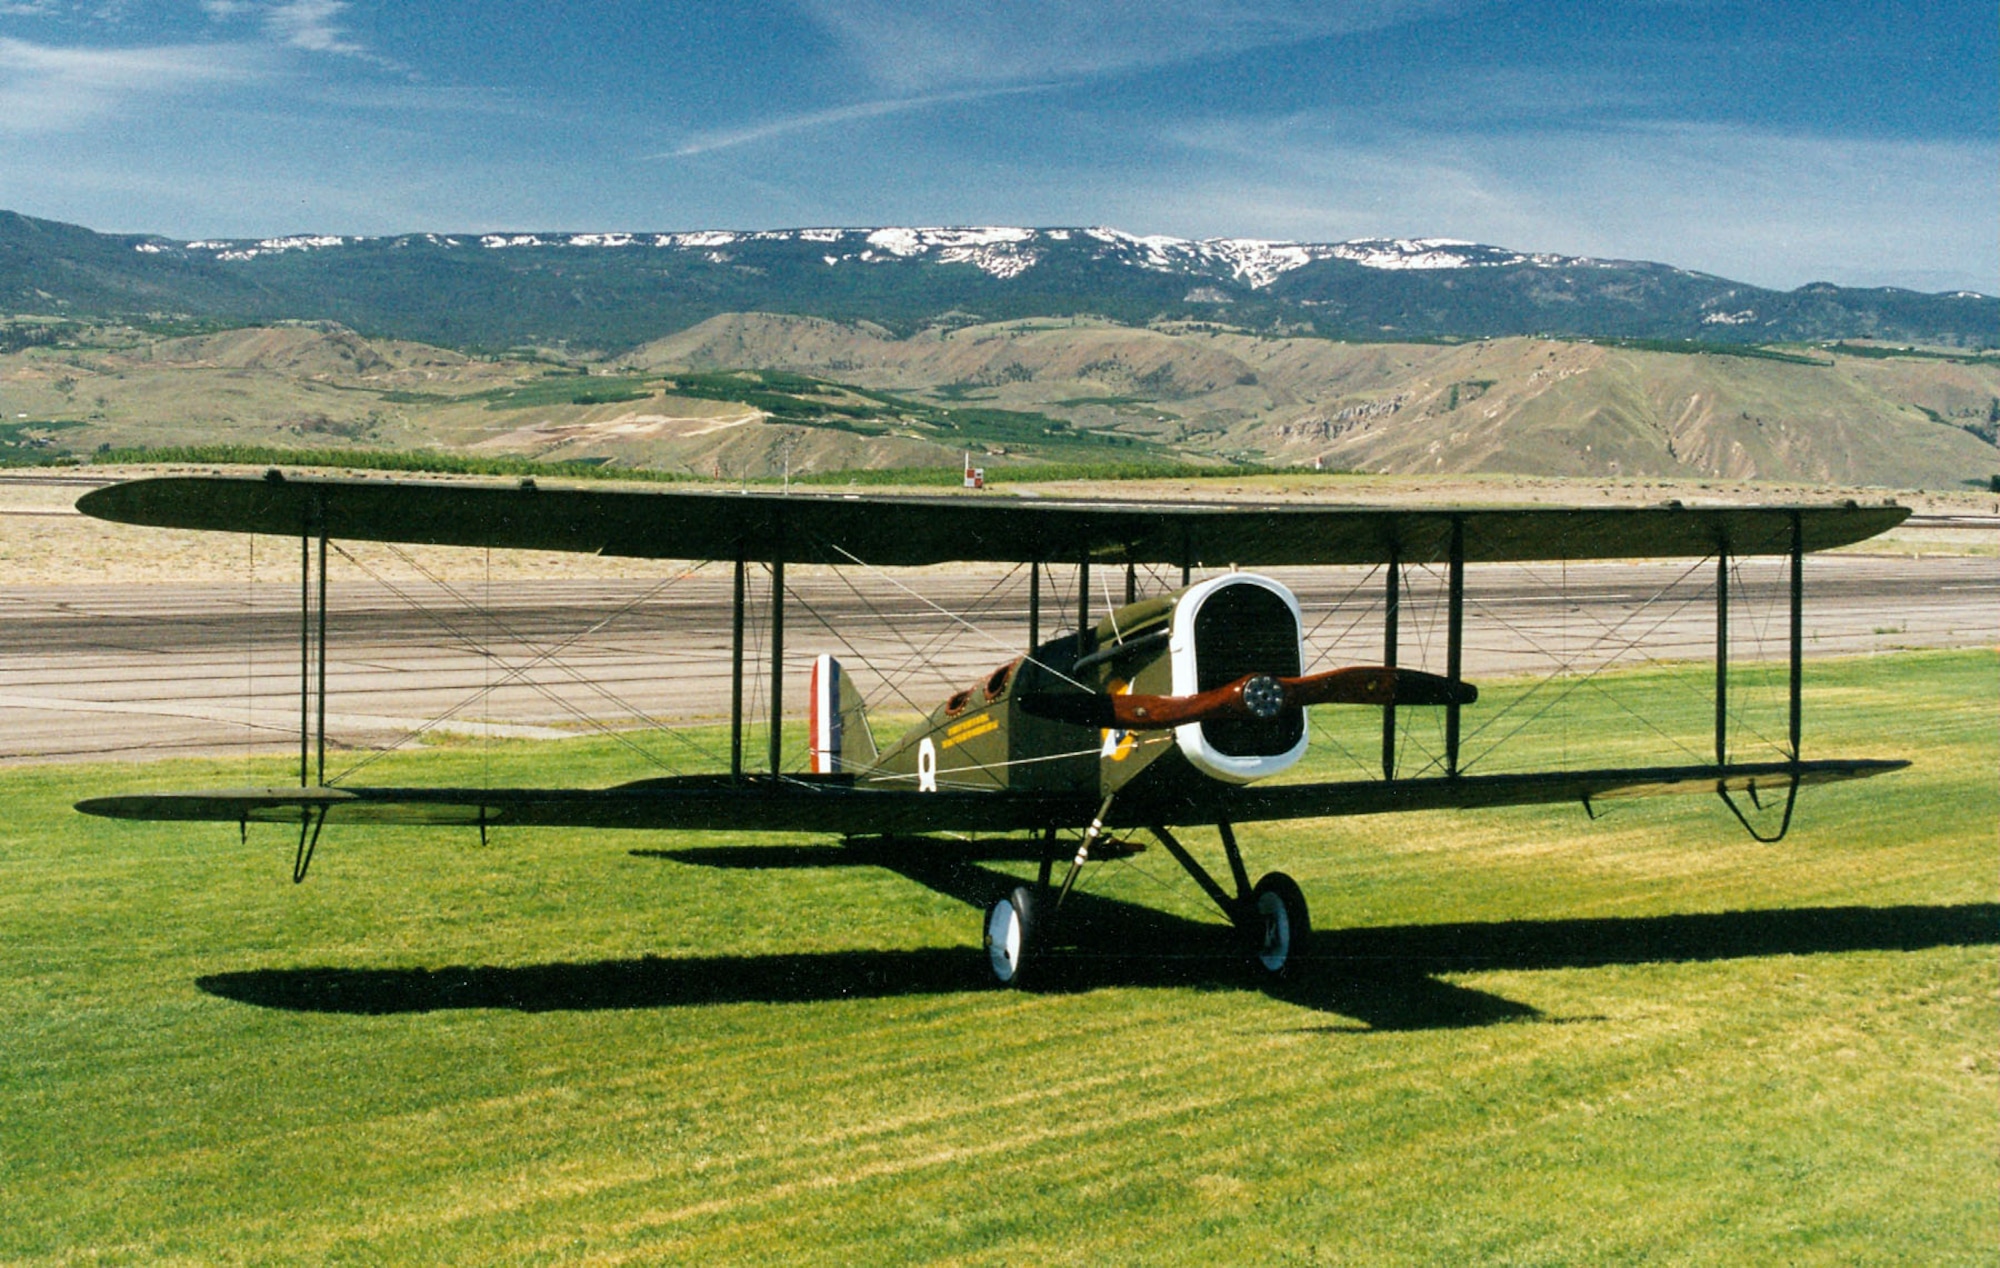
1454	643
1795	686
777	662
1722	655
736	674
312	654
1083	603
1392	606
1034	605
1798	622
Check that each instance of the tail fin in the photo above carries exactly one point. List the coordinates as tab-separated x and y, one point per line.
841	740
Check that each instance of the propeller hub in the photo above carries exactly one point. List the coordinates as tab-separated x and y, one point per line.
1263	696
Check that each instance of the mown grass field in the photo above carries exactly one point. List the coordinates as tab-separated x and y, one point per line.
1521	1037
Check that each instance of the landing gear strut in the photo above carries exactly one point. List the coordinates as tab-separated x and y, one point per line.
1271	915
1011	922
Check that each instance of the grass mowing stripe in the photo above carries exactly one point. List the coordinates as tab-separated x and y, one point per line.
1525	1037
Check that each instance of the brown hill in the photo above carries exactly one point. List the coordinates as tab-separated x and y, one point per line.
1521	406
1516	406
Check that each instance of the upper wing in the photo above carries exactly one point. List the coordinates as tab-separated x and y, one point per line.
791	805
821	528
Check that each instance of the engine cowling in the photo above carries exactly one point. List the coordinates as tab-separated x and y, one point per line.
1222	629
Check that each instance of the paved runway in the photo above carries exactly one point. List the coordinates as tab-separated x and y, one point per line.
91	672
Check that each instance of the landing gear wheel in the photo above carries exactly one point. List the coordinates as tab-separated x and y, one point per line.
1279	926
1010	931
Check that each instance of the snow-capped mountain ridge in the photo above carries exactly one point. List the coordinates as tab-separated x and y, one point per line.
1001	251
617	289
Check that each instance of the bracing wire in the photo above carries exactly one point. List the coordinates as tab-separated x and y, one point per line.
520	672
1609	639
1321	649
1579	682
915	656
953	616
894	683
1745	611
1326	647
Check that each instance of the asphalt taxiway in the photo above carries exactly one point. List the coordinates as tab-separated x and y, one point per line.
91	672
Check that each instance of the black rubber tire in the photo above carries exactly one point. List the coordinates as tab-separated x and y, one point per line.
1010	936
1279	925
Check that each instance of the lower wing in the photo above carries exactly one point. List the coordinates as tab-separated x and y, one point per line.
1478	792
703	803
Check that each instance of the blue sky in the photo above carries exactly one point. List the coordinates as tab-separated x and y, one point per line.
1773	142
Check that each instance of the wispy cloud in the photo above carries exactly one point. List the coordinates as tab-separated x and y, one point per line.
312	25
44	88
731	138
919	45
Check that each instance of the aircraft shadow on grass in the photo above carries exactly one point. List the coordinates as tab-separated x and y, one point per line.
1387	978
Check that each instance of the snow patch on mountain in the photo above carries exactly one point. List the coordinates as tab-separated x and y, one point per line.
225	249
910	241
1153	251
1000	262
703	238
272	246
1254	262
1257	263
994	249
1423	253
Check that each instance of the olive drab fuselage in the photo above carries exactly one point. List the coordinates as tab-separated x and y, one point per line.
1196	638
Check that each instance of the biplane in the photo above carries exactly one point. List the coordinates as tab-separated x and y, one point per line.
1169	710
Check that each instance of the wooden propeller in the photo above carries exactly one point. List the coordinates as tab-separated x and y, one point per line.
1251	697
